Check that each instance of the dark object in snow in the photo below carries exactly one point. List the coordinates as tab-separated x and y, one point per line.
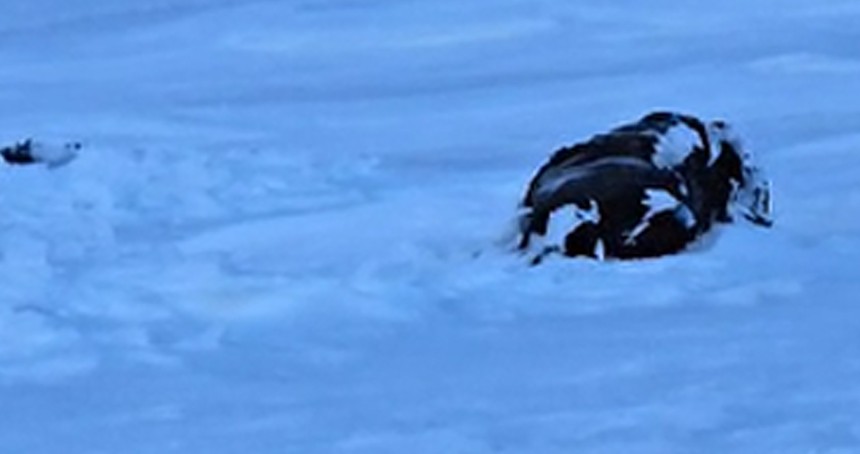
645	189
31	152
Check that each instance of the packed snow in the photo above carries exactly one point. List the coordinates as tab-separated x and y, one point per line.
285	230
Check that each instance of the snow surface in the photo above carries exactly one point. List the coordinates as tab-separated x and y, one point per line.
281	235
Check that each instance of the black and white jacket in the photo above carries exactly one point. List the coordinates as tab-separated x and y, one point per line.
644	189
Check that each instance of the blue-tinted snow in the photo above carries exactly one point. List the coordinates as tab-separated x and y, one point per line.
282	235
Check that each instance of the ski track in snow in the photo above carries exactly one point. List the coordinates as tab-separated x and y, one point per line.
284	232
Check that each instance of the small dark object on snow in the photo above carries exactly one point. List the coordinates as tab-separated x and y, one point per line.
30	152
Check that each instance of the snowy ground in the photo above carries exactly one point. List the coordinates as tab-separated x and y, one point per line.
280	238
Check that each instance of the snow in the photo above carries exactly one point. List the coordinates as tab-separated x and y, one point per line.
281	233
54	154
658	201
679	142
561	223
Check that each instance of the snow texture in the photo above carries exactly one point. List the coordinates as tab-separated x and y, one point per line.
281	234
55	154
561	222
661	201
676	145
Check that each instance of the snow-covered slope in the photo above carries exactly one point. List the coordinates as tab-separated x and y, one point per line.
281	234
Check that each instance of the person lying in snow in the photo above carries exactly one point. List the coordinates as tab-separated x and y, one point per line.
31	152
645	189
